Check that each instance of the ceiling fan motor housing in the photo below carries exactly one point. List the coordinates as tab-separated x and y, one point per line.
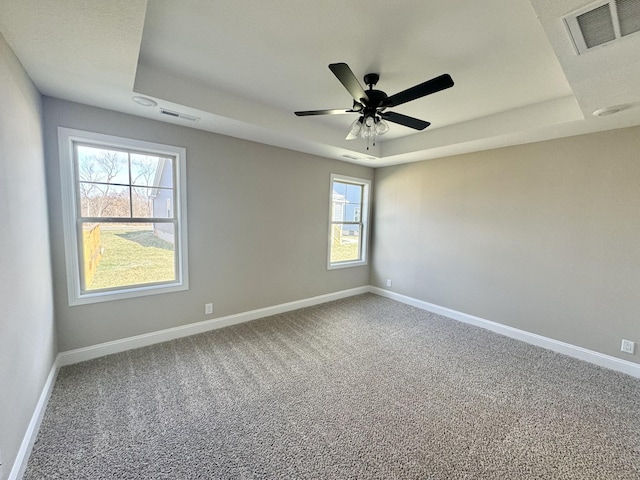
376	97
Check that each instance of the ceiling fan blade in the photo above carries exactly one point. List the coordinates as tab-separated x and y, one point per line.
349	80
405	120
323	112
427	88
351	136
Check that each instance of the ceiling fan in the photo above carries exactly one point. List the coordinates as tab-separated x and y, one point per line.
370	105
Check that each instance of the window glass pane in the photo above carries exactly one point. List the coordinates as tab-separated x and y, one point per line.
352	212
120	255
161	202
338	201
345	242
337	211
104	200
340	189
354	194
102	165
143	201
151	171
346	202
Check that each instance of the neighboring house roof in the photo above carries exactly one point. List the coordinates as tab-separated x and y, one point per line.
338	197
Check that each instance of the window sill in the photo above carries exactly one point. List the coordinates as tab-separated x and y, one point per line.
335	266
137	292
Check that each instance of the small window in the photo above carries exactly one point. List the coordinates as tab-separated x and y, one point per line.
348	222
123	239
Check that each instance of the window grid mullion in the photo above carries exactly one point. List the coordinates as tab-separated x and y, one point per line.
127	220
130	186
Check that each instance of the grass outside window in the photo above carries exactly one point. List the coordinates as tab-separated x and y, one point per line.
132	256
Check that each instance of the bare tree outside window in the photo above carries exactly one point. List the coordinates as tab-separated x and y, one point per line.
116	184
143	171
101	173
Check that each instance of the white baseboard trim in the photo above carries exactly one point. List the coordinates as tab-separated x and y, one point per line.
88	353
600	359
20	463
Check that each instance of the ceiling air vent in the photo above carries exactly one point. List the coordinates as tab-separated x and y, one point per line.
184	116
353	157
603	22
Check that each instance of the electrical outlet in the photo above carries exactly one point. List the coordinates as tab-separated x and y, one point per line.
388	282
208	308
628	346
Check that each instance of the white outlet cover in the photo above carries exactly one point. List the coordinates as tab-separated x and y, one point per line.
208	308
628	346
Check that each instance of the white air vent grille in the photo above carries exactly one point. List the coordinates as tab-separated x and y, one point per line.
629	16
596	26
184	116
353	157
602	23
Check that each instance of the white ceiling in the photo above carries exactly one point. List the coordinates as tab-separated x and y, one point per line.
245	66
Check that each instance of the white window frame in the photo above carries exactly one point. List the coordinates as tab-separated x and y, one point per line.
67	138
364	221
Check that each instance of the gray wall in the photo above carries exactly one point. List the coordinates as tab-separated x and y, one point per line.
258	227
542	237
27	342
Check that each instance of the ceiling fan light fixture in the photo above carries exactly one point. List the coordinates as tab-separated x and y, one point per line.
382	127
356	127
369	128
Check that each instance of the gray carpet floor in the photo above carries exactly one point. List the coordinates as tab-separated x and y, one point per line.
360	388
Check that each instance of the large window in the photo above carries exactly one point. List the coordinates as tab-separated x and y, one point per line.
348	222
124	216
